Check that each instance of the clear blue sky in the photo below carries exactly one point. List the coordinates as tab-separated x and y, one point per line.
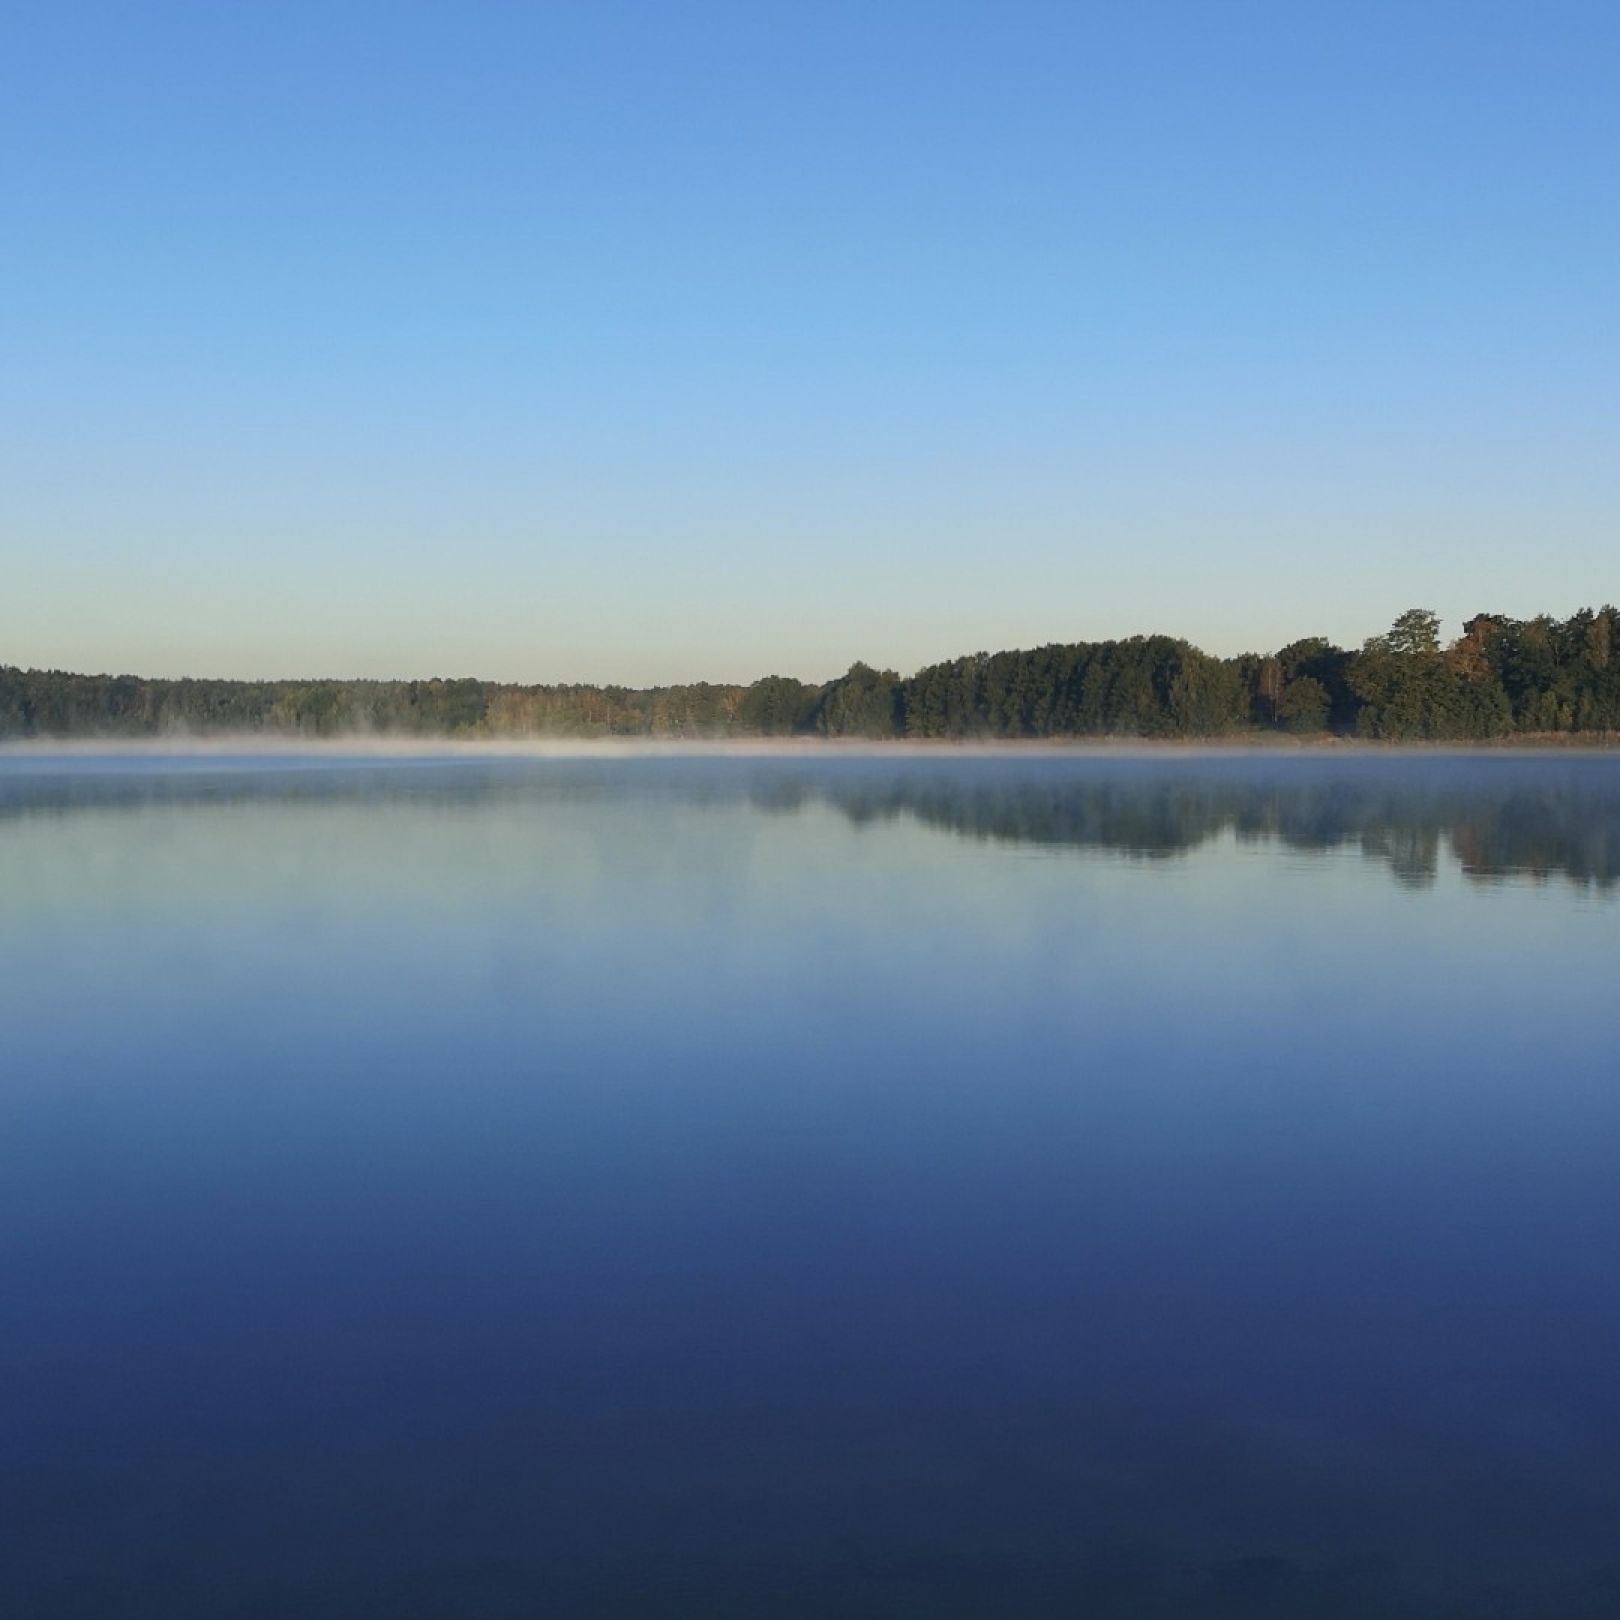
643	342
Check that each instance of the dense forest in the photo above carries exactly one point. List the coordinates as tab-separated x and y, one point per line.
1502	677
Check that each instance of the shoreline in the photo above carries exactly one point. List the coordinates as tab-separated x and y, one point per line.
361	745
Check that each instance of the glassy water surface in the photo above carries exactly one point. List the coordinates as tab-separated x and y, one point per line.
820	1186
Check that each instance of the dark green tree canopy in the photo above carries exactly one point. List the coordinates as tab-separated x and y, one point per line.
1500	677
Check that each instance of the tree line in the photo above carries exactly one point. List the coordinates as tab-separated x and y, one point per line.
1500	678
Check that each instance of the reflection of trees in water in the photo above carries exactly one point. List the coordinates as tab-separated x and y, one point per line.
1497	816
1494	829
1411	853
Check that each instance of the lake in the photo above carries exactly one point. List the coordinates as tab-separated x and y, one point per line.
836	1184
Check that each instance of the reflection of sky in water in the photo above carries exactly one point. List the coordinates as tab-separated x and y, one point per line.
1050	1187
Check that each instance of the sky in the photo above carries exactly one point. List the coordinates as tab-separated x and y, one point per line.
656	342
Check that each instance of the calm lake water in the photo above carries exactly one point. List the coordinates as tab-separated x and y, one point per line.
822	1186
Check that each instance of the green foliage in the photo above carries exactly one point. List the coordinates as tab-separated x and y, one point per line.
864	703
1415	634
777	706
1304	705
1146	687
1408	689
1499	677
50	703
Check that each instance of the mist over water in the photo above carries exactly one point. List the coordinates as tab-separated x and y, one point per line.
1039	1185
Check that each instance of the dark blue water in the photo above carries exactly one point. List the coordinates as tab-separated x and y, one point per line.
810	1187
